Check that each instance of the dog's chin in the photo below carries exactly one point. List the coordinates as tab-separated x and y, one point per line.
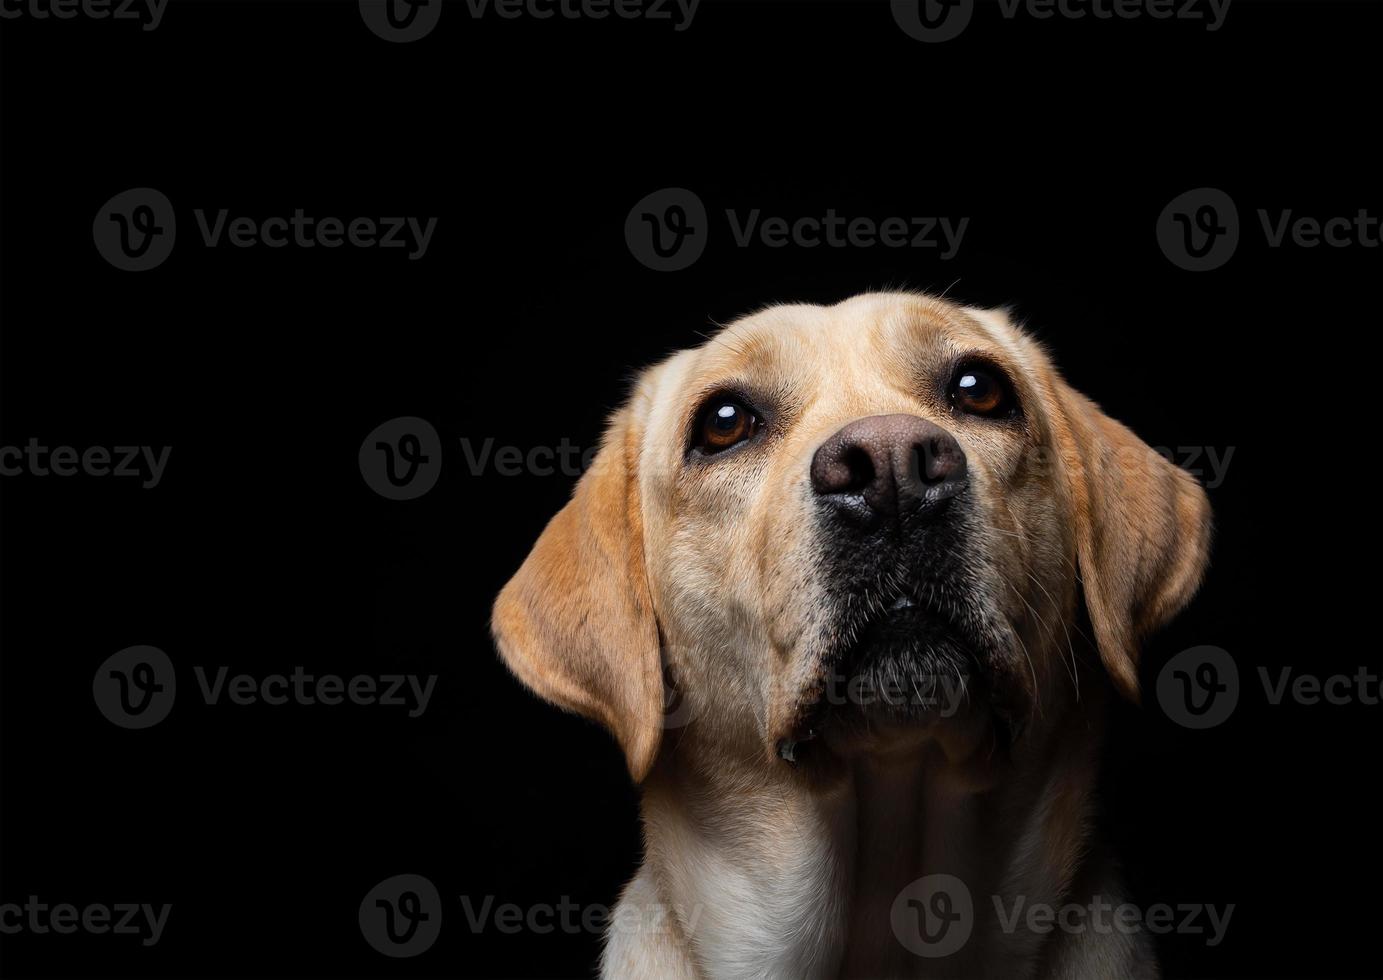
906	676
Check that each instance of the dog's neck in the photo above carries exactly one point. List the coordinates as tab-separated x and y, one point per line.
764	875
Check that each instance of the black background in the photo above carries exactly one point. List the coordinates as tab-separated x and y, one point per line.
263	548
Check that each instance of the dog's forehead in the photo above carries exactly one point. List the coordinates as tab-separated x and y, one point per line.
873	330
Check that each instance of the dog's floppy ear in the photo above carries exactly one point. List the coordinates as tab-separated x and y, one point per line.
575	623
1142	530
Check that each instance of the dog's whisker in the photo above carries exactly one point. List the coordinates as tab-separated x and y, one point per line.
1025	538
1051	634
1075	667
1036	688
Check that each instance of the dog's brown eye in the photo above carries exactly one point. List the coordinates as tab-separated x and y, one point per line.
979	390
725	422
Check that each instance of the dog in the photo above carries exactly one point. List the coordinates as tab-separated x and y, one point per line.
850	586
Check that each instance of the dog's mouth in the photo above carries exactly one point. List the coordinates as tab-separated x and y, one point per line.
910	662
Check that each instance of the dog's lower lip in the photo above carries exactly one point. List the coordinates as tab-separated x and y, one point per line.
902	618
903	621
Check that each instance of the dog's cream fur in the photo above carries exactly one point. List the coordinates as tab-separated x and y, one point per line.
680	604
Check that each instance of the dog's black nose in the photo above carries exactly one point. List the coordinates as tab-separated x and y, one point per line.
896	466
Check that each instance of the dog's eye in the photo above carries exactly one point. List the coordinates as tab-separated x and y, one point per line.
981	390
724	422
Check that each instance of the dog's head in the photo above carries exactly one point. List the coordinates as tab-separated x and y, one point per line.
871	521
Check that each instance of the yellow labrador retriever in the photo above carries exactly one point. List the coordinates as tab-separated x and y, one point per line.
840	581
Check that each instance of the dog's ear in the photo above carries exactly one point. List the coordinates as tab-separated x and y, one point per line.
575	623
1142	529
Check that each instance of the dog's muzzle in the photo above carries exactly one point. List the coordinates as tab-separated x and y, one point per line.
898	554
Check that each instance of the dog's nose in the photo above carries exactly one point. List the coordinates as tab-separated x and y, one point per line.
896	465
